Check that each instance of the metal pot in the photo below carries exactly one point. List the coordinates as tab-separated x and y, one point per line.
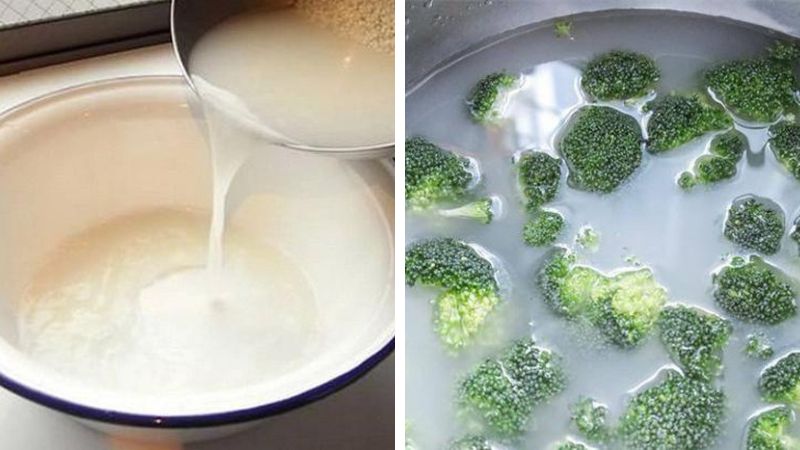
192	19
437	31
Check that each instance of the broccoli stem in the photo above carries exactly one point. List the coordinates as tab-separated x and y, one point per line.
481	210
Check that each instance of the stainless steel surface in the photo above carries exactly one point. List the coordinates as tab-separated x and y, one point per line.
437	31
191	19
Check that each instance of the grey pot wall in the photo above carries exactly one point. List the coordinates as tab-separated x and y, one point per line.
436	30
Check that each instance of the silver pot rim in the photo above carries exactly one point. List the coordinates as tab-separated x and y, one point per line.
440	31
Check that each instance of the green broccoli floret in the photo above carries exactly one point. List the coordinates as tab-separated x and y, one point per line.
589	418
754	292
543	229
624	307
470	292
570	445
552	280
563	29
481	210
433	174
488	97
770	431
785	144
619	75
694	339
472	443
587	238
503	391
678	413
795	235
678	119
784	52
630	306
780	382
758	346
602	147
708	169
726	150
757	89
755	225
712	169
730	145
539	176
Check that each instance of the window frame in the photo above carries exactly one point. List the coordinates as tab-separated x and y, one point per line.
62	39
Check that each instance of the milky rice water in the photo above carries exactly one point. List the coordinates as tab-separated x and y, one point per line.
152	297
649	221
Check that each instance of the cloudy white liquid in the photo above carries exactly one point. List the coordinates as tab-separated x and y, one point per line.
296	81
175	302
133	297
649	220
271	77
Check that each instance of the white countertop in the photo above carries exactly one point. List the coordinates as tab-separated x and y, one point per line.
359	417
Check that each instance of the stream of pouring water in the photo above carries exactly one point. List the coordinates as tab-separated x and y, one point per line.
325	89
224	170
225	163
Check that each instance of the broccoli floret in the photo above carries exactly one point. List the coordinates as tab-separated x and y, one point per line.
433	174
552	280
503	391
602	147
449	264
726	151
678	119
630	306
780	382
589	418
587	238
695	339
785	144
755	225
708	169
730	145
795	236
619	75
757	89
759	346
678	413
481	210
543	229
539	176
769	431
623	307
784	52
470	290
570	445
754	292
472	443
488	97
563	29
